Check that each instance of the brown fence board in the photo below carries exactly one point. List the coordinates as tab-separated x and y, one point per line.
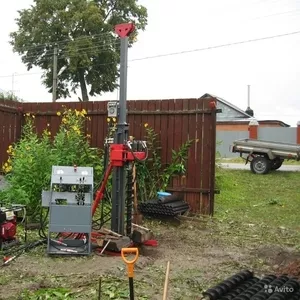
175	120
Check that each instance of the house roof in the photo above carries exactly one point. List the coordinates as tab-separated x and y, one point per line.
227	104
239	121
246	117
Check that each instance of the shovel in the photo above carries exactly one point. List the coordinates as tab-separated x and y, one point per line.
130	266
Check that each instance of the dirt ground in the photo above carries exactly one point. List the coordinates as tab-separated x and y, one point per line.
199	254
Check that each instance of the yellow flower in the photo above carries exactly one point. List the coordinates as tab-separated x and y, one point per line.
89	118
88	136
58	113
146	125
77	112
114	120
84	112
48	125
28	114
64	120
108	120
33	116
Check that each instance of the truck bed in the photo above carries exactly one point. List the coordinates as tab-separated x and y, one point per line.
272	149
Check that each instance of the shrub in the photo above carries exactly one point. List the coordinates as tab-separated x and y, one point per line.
28	169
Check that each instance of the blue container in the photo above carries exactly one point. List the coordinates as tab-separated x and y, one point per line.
163	194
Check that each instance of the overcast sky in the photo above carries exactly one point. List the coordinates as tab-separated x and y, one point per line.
271	66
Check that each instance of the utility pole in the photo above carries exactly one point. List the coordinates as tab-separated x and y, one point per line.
54	85
121	135
249	111
248	96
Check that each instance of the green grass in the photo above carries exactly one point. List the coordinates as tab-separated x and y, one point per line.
241	160
264	206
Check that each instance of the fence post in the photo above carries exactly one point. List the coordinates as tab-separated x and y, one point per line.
253	129
298	132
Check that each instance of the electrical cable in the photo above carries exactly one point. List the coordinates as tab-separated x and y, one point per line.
188	51
68	40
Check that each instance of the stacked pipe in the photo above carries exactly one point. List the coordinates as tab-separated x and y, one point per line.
244	286
171	205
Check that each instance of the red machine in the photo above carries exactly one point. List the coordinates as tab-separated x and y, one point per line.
9	218
119	155
8	227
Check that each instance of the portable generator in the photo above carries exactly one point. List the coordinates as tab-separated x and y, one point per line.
8	225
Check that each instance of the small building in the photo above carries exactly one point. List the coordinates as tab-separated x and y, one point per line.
232	118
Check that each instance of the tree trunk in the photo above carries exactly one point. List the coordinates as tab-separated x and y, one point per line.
84	93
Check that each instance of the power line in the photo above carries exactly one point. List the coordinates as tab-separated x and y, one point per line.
218	46
276	14
65	52
188	51
68	40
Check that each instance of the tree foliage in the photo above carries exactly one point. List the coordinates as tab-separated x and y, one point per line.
83	31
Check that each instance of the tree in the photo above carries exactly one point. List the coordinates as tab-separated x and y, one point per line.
83	31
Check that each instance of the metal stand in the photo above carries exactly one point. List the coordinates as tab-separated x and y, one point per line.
70	209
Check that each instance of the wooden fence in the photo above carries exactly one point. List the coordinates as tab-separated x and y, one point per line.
175	120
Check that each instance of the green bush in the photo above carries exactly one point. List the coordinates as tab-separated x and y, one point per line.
28	169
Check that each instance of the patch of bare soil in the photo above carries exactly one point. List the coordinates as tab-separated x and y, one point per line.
292	269
197	258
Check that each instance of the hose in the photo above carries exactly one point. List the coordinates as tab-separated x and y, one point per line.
134	156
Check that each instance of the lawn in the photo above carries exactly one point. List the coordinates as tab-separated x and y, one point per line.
238	159
255	226
263	205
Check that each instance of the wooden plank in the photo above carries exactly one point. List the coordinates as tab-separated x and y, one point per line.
130	118
2	150
178	140
164	142
157	120
151	118
144	119
94	125
141	111
170	131
193	165
138	131
99	124
103	123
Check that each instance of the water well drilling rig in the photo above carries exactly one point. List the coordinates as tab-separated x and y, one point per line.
72	216
122	152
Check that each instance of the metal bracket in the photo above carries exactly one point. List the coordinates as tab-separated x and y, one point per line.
124	30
